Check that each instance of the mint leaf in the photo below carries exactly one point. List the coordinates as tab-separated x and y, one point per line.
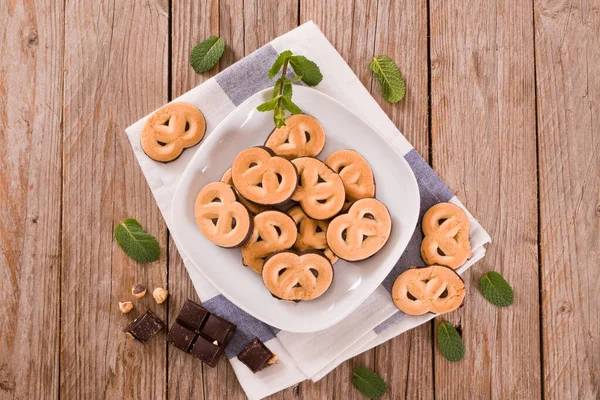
392	84
449	342
139	245
268	105
287	89
290	106
496	290
294	79
206	54
310	72
279	63
368	383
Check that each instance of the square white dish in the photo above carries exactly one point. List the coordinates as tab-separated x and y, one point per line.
353	282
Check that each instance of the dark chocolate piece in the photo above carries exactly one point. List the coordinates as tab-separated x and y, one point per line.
192	314
181	337
145	327
256	355
208	352
219	329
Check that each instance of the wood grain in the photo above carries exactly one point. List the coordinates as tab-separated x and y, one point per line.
483	142
30	181
343	23
406	361
567	42
114	72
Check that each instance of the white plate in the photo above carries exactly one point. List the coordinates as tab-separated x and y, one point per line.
245	127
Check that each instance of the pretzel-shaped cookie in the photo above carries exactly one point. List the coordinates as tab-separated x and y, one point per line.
220	218
360	233
172	129
356	173
446	242
320	190
311	233
273	231
301	136
251	206
263	178
435	289
297	276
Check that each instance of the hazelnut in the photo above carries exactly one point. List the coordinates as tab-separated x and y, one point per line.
125	307
138	291
160	295
273	360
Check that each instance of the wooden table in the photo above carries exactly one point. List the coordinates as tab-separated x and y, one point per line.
503	101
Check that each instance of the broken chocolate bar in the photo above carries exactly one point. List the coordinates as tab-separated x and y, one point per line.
217	328
200	333
145	327
207	351
181	337
256	356
192	314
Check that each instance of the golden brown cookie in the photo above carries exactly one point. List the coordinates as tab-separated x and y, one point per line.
273	231
301	136
172	129
446	242
360	233
219	216
263	178
311	233
251	206
356	173
435	289
320	190
297	276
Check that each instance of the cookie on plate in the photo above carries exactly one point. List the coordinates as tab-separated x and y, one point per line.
172	129
320	190
311	233
301	136
435	289
262	177
294	276
251	206
446	242
273	231
361	232
220	217
356	174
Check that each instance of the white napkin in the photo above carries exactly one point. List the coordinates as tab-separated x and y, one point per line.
312	355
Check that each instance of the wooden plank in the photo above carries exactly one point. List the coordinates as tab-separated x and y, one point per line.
115	71
350	27
192	22
30	178
484	140
567	42
406	362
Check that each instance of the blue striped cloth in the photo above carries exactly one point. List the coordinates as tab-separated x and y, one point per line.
308	355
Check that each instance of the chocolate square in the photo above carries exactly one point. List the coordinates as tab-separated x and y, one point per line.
181	337
145	327
207	351
219	329
192	314
256	355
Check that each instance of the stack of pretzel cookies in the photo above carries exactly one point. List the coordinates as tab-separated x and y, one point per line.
292	214
437	288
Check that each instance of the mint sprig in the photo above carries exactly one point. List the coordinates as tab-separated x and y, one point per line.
496	290
449	342
207	54
368	383
304	69
139	245
387	73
